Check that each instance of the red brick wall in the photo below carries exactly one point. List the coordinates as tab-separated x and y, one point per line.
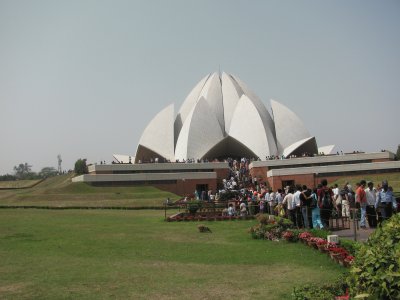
188	186
276	181
260	173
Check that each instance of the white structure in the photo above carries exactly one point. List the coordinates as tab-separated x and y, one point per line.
222	117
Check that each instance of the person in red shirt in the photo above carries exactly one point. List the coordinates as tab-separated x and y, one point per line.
361	201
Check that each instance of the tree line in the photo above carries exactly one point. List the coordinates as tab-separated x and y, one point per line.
24	172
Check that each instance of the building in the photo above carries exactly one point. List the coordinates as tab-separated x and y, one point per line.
220	118
310	170
178	178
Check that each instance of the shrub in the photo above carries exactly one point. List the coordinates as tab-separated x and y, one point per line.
262	218
376	269
193	206
270	228
351	246
320	291
321	233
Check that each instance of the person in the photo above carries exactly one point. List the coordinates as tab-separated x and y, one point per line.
315	211
231	210
335	191
267	198
394	201
262	206
371	201
345	203
305	204
271	203
290	206
384	202
325	202
297	202
278	201
243	209
361	200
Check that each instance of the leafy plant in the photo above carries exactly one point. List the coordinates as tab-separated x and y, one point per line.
321	233
270	227
376	270
320	291
351	246
194	206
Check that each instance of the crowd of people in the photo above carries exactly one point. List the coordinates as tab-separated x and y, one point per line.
305	207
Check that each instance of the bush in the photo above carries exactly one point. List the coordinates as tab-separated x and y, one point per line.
321	233
194	206
320	291
351	246
376	270
270	228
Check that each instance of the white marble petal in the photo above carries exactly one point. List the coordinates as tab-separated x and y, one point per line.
250	130
288	126
292	148
231	95
326	149
158	136
212	93
200	132
265	115
188	105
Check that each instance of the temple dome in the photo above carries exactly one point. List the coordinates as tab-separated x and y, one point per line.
221	117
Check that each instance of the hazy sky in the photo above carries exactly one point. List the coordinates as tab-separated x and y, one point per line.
84	78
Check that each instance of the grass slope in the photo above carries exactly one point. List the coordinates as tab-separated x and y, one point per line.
18	184
61	192
393	179
80	254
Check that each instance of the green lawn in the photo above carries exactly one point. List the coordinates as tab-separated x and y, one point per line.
18	184
59	191
102	254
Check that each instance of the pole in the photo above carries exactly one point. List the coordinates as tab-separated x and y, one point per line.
165	210
354	226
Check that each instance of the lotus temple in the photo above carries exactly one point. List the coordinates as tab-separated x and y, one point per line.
222	118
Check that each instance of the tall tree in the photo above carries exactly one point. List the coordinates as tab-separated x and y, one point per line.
81	167
398	153
48	172
23	171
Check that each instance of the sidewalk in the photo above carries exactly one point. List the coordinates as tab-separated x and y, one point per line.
361	234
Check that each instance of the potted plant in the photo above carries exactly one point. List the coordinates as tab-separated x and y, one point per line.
193	206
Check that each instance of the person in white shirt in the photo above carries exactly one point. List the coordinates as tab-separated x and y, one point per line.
243	209
371	201
297	203
271	202
267	198
231	210
291	207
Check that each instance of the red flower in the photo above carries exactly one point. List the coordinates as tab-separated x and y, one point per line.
305	235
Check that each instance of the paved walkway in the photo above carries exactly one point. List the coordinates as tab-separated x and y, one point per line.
361	234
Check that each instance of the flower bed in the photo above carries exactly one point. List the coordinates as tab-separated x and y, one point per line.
183	216
337	253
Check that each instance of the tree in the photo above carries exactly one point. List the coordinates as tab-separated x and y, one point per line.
23	171
81	167
48	172
398	153
8	177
